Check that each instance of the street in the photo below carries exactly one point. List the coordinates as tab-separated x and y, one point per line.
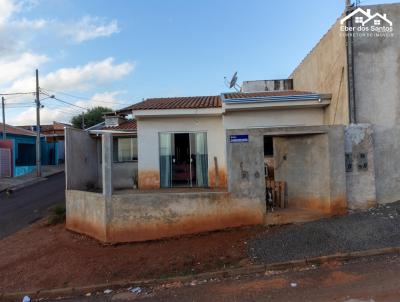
29	204
373	279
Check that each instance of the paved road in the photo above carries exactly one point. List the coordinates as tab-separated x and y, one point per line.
373	279
30	204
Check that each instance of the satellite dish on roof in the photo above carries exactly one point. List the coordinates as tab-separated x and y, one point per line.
233	82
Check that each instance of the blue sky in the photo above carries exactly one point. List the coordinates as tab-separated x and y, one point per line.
114	53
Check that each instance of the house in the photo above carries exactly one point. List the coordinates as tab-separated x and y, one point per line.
306	147
201	164
54	137
21	146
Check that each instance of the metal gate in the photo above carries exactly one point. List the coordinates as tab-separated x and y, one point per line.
276	197
5	162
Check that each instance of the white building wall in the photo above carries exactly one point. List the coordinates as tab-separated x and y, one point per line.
274	118
148	146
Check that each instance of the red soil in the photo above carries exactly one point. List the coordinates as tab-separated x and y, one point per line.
44	257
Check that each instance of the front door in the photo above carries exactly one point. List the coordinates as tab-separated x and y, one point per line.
183	160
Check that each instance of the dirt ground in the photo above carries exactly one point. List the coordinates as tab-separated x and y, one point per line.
369	279
44	257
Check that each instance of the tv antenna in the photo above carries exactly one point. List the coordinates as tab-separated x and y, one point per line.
233	82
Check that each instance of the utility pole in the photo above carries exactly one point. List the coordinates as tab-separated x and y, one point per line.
4	118
83	120
38	161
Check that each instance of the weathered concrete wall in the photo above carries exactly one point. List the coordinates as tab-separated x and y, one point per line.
313	169
267	85
80	160
324	70
274	118
139	217
361	193
124	175
86	213
148	146
302	162
148	216
377	95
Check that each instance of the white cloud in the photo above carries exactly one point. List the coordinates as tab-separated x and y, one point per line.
47	116
78	78
7	8
16	66
104	99
89	28
29	24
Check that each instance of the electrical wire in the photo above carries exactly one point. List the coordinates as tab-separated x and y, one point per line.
87	99
65	102
17	93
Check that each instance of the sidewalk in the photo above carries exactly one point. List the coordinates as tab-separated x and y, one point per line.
358	231
30	178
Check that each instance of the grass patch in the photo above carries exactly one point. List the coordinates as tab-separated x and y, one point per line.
57	215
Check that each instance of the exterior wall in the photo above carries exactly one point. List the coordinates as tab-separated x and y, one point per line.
361	193
314	169
86	213
139	217
148	146
149	216
81	162
124	175
267	85
17	139
377	95
274	118
8	144
301	161
324	70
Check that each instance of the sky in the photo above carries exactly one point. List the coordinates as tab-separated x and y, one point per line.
116	53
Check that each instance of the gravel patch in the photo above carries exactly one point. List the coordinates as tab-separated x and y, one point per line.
359	230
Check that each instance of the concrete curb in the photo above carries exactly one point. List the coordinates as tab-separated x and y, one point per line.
250	270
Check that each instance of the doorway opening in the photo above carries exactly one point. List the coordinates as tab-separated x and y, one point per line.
275	196
183	160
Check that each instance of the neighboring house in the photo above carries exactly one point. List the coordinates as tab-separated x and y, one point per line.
54	137
362	73
22	145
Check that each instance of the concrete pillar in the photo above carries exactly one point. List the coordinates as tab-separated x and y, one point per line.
107	161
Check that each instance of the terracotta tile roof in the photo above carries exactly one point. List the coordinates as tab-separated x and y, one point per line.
128	125
16	130
241	95
191	102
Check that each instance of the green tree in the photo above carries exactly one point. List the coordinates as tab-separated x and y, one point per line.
92	117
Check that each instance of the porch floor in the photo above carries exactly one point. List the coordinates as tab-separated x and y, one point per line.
294	215
168	190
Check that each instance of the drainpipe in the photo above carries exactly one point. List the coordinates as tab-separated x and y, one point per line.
350	67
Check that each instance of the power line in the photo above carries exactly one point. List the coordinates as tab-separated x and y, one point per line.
87	99
65	102
17	93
